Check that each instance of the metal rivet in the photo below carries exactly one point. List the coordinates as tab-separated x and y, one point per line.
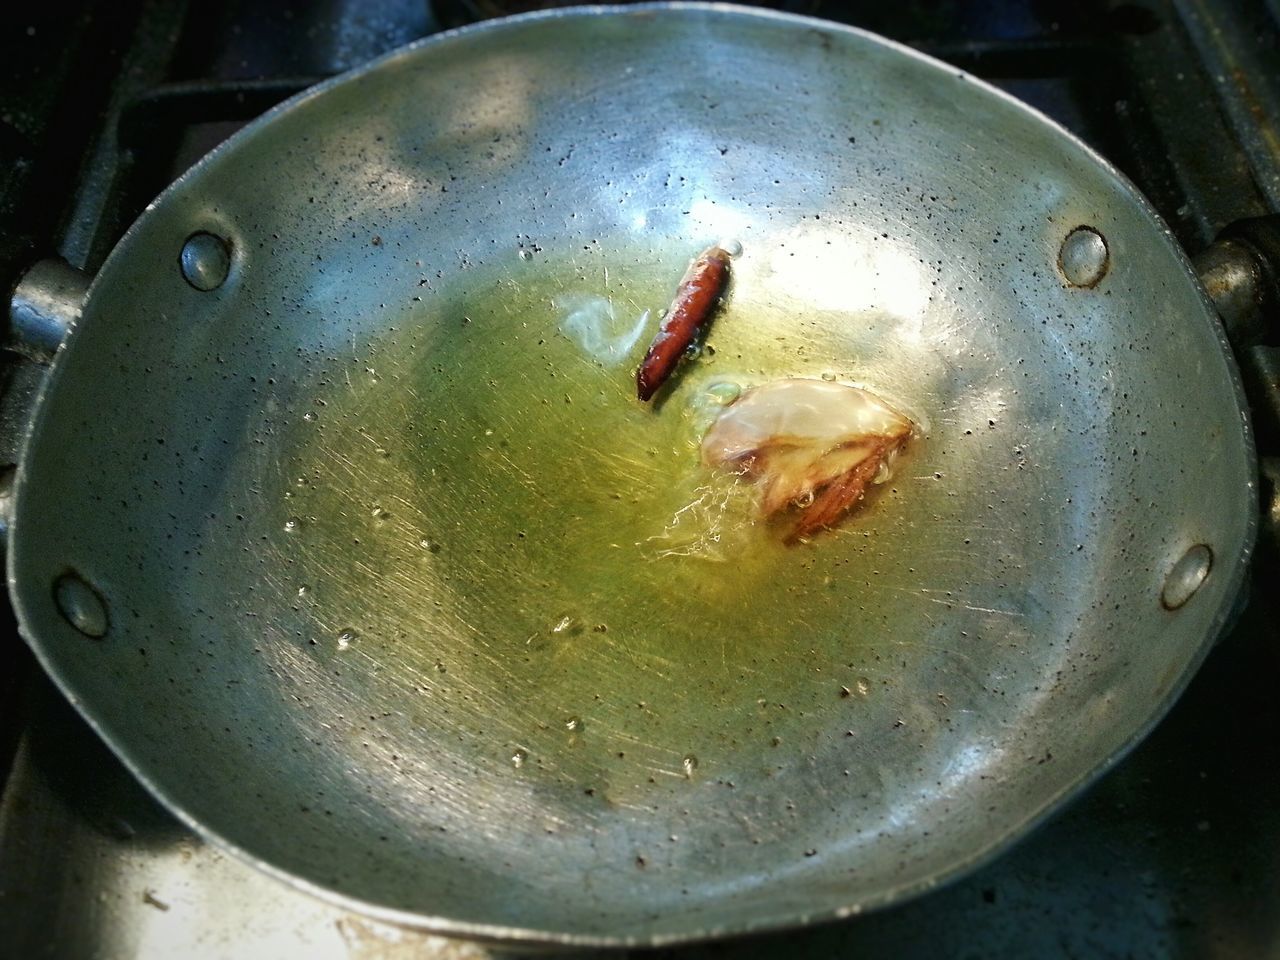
206	261
1186	576
80	605
1083	258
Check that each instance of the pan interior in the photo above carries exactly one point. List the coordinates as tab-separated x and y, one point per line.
402	596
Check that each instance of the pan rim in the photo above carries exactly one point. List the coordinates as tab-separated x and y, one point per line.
537	936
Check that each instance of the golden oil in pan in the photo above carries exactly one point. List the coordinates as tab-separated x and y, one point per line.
483	512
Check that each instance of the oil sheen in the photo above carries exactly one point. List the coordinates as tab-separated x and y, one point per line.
475	507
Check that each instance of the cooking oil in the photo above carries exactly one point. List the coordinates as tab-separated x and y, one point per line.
534	496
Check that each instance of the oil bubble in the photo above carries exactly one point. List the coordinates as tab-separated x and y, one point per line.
573	724
724	392
518	757
292	524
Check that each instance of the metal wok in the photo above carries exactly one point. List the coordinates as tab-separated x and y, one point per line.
333	519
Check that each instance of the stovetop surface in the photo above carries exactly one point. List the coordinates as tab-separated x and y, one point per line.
1175	852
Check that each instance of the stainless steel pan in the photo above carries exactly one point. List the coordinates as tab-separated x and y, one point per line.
339	522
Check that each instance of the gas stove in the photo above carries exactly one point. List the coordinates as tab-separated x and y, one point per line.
1175	852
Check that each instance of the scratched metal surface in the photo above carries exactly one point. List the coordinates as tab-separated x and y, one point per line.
381	533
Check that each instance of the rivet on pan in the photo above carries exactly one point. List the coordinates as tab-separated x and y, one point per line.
205	260
1186	576
80	605
1083	258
